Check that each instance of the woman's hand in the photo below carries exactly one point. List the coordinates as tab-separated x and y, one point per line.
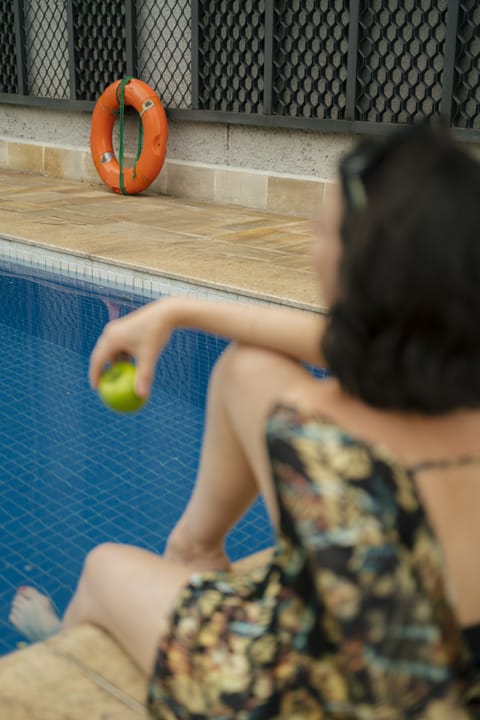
142	335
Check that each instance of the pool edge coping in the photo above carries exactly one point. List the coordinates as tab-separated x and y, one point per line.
173	282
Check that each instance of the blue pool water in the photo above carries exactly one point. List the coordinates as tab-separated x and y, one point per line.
73	473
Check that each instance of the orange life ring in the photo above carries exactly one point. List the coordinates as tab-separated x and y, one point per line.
155	133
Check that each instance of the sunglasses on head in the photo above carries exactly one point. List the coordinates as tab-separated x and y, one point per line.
355	168
358	165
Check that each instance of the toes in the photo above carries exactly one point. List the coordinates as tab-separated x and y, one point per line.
23	593
29	593
18	602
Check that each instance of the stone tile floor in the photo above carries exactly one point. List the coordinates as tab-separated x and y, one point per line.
262	254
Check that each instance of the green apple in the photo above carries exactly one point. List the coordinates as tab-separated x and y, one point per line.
116	388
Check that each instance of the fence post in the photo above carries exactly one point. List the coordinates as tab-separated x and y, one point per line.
449	59
19	23
71	51
268	57
352	59
195	55
131	36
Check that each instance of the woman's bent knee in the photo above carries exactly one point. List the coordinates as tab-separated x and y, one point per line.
99	560
239	363
98	567
98	572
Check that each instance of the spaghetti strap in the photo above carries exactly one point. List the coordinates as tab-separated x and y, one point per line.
444	464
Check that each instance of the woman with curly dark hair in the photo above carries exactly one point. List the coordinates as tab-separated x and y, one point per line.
369	606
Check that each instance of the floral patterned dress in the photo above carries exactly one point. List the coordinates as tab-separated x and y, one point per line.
349	621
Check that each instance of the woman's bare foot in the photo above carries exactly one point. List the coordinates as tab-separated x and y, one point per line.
182	548
33	614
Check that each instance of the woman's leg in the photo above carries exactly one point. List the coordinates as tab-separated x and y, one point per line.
129	591
234	468
125	590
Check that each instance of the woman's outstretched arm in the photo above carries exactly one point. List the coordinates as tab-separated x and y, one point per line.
143	333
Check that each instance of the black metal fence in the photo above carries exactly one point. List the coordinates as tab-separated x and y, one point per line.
326	64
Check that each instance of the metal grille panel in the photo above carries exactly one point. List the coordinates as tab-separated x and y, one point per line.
310	58
46	41
400	61
336	64
466	97
8	63
164	49
100	46
231	55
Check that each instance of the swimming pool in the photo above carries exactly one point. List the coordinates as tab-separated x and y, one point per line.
73	473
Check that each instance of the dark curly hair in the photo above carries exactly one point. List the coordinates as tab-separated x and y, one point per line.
404	329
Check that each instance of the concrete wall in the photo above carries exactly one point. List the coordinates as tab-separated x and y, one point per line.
277	170
293	152
283	170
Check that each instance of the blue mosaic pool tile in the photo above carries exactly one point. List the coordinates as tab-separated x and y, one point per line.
74	474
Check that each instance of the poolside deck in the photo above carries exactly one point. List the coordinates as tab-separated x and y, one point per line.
254	252
83	673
